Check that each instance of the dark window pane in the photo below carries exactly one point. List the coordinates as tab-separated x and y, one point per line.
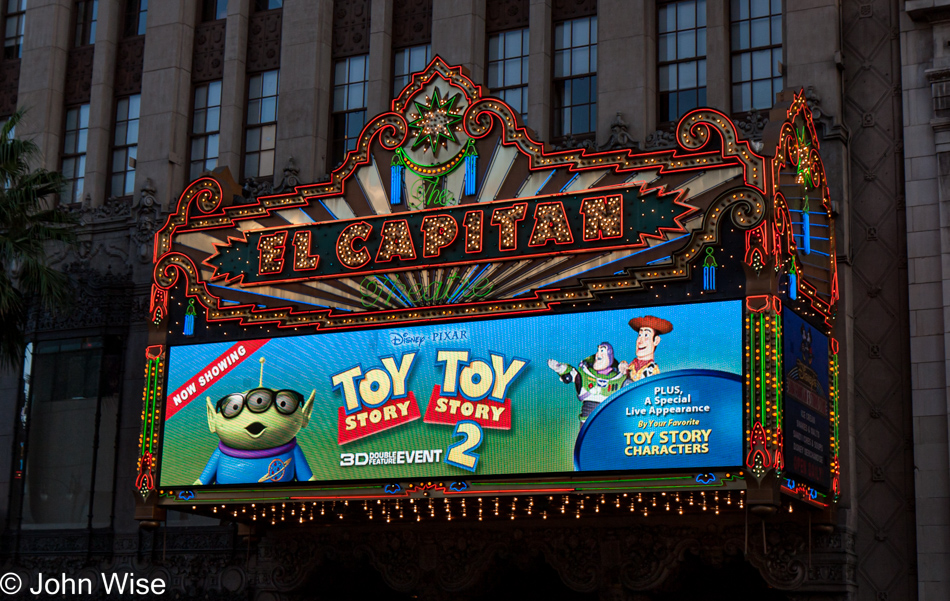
494	47
120	131
666	19
667	49
251	165
269	110
253	140
354	124
762	94
687	75
214	93
580	61
201	97
212	148
254	86
581	90
580	33
254	112
356	96
559	61
197	148
494	80
740	9
685	44
562	35
666	114
761	64
512	44
760	32
269	83
667	78
214	118
685	15
512	72
687	102
580	121
740	35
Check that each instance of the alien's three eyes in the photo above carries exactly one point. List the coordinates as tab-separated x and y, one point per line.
259	401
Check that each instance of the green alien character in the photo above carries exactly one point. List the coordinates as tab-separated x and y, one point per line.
258	431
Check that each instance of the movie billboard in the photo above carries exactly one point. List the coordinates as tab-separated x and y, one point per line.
656	388
807	438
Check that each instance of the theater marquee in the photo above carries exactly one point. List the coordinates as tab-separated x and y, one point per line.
462	311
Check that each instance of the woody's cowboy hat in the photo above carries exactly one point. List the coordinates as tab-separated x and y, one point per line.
658	325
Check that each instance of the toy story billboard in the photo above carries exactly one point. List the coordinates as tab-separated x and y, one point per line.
805	357
633	389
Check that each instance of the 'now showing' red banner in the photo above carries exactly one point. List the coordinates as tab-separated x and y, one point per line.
195	386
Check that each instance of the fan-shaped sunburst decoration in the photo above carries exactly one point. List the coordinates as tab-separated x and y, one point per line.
435	122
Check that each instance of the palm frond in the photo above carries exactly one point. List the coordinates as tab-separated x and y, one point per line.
28	226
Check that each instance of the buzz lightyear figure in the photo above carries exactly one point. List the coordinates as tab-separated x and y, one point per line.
596	378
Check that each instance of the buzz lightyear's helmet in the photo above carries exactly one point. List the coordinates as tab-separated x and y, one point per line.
610	351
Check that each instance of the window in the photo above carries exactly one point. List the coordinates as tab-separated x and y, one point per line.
508	68
349	105
260	5
72	412
212	10
681	57
406	62
86	14
74	152
206	123
756	53
575	77
125	145
135	12
13	28
261	132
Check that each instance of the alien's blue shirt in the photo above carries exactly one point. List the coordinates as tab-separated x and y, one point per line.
236	466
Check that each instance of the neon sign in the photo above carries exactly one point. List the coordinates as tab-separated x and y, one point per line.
582	222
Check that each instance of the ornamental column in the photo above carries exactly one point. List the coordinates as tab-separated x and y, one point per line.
458	34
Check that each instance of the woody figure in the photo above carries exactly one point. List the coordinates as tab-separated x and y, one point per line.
648	329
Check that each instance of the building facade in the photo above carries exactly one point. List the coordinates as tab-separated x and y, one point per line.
132	102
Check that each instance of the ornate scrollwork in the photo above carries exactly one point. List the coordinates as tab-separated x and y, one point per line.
695	130
391	129
575	554
619	136
662	138
650	559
